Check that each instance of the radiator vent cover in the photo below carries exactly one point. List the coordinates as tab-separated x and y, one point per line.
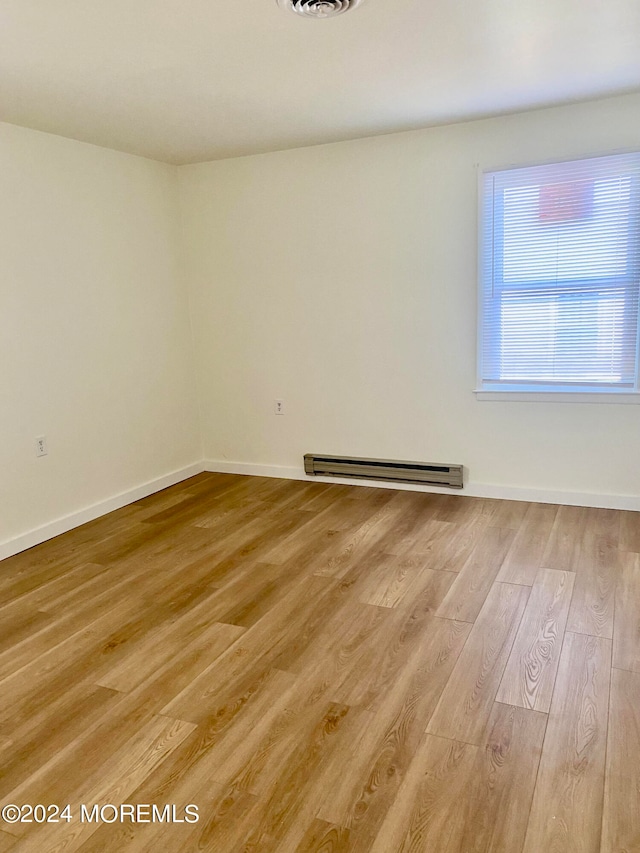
384	469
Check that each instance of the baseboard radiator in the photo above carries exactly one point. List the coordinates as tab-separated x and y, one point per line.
384	469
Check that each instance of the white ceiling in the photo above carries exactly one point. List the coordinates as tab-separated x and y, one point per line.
192	80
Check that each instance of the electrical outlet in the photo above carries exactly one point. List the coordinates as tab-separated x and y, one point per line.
41	445
279	407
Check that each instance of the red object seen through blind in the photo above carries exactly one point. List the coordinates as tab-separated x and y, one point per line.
565	202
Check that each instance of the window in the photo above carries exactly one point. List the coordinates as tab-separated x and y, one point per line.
560	277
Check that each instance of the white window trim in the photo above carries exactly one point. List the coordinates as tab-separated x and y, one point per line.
607	395
616	397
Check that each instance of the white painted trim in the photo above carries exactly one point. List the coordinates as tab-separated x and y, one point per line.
553	496
625	398
75	519
471	489
284	472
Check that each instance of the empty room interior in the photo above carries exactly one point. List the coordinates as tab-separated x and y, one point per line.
320	418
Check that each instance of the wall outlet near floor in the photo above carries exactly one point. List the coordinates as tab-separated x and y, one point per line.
41	445
278	407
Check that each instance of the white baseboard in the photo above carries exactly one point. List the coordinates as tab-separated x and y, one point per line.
75	519
471	489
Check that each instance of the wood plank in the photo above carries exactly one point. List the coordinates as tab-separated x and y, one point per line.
255	752
409	516
498	796
563	548
224	827
461	509
395	579
452	543
112	782
508	514
43	735
323	837
418	510
324	775
242	668
153	504
243	750
44	593
52	558
246	603
367	538
594	592
524	558
383	750
566	812
267	528
466	702
346	652
530	674
621	816
300	723
469	590
146	541
17	585
285	799
224	813
63	772
224	490
167	644
85	653
7	841
626	635
390	582
427	810
294	539
327	621
604	523
45	669
440	642
21	625
264	755
630	532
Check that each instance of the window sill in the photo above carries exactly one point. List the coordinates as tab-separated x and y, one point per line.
624	398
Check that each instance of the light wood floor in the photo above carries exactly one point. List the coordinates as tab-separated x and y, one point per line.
327	668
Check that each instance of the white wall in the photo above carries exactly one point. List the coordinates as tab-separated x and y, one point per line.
95	348
342	279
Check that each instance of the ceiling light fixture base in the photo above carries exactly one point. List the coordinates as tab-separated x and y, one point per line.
318	8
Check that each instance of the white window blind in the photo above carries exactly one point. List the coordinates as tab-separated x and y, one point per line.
560	277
